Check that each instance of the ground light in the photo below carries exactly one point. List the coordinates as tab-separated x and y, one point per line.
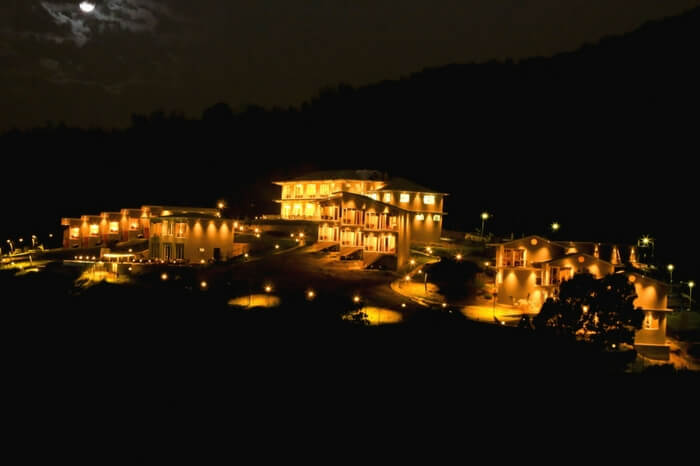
459	257
311	294
203	285
407	277
555	227
413	262
403	304
277	246
356	299
268	288
164	277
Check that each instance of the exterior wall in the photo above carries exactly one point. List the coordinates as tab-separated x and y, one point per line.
199	238
427	230
106	231
655	335
579	264
309	192
70	239
650	295
90	232
517	284
422	231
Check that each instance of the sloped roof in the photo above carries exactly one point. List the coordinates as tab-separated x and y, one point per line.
363	198
402	184
371	175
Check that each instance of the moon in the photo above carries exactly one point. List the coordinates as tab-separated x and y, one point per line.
87	7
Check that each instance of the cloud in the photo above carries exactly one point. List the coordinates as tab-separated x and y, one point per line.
49	64
138	16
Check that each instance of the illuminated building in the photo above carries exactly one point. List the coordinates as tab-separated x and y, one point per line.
190	237
530	269
334	198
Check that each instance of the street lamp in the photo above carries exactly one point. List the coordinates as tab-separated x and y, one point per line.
691	285
484	216
645	242
12	246
33	241
670	271
555	227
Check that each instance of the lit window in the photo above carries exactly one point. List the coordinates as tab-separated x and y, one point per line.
94	230
429	199
180	229
374	196
296	212
311	190
387	197
404	197
75	232
286	209
134	226
420	217
285	191
436	218
650	322
310	209
324	190
114	227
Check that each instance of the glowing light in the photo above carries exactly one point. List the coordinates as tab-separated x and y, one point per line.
444	305
241	228
87	7
614	346
257	230
691	284
221	205
585	309
459	257
164	277
291	235
257	235
670	267
646	240
407	277
245	255
301	235
413	262
484	216
503	322
201	261
356	299
632	278
487	263
429	199
555	226
581	259
130	269
131	250
21	240
268	288
277	246
203	285
403	304
50	235
533	241
420	217
93	257
404	197
310	294
430	250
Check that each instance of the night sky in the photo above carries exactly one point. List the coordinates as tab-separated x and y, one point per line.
127	56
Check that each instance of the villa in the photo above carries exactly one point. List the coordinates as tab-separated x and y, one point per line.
530	269
362	210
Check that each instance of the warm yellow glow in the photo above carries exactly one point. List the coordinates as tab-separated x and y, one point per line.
484	216
130	269
201	261
632	278
268	288
301	235
166	213
429	249
420	217
134	226
670	267
429	199
387	197
374	196
581	259
241	228
94	230
310	294
585	308
356	299
235	224
277	246
404	197
201	249
403	304
80	257
436	218
114	227
407	277
645	240
291	235
75	233
413	262
487	263
459	257
555	226
614	346
221	205
164	276
93	257
257	235
691	284
533	241
257	230
444	305
131	250
203	284
245	255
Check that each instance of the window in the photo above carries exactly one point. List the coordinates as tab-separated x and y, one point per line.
134	226
436	218
167	251
180	230
285	191
179	251
310	210
429	199
387	197
374	196
420	217
513	257
299	191
114	227
324	190
651	322
286	210
296	212
94	230
168	228
75	233
310	190
404	197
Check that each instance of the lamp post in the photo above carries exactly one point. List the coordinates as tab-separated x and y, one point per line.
555	227
670	271
645	242
484	216
12	246
691	285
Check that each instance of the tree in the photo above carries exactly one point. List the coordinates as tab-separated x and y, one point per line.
598	310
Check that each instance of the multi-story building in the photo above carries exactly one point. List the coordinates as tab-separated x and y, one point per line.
356	208
111	227
530	269
191	237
